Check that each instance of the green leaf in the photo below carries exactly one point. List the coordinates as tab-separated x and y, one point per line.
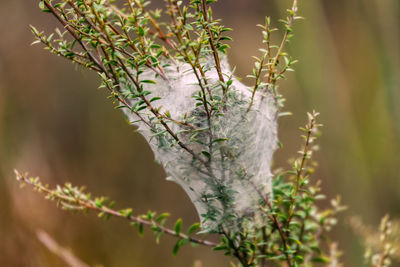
126	212
148	81
98	202
158	237
140	31
150	215
141	108
206	153
159	133
321	259
162	216
296	240
223	48
176	248
155	46
220	139
120	106
178	245
178	227
36	42
155	99
141	229
278	257
225	38
226	30
223	247
193	228
188	27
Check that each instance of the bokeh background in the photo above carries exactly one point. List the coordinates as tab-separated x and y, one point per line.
55	124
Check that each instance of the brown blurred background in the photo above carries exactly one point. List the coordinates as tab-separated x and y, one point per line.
55	124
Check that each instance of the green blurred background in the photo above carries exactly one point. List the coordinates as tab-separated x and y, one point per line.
55	124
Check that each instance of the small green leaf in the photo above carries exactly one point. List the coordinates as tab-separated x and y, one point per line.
126	212
176	248
159	133
206	153
223	247
220	139
120	106
225	38
140	31
178	245
155	98
141	229
148	81
193	228
98	202
188	27
158	237
321	259
178	227
226	30
162	216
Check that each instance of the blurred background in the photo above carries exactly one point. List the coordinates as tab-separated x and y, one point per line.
55	124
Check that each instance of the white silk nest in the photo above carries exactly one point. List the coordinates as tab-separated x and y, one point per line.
230	191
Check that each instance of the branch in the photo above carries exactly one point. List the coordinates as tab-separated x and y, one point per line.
74	198
211	41
271	78
310	129
272	215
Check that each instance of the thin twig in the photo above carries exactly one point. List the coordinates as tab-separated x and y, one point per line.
82	200
270	77
300	169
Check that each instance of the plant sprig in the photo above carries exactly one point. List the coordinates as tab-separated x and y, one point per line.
74	198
